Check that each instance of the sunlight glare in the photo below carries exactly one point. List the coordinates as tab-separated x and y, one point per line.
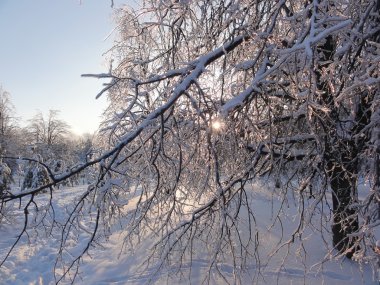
217	125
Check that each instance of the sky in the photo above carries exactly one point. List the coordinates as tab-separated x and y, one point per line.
45	46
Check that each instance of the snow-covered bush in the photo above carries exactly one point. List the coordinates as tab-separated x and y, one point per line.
35	177
36	174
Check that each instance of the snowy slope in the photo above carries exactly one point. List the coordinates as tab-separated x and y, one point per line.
32	262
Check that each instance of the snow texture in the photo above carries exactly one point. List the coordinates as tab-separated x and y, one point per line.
33	261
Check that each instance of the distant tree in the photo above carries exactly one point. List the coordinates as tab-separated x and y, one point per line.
5	178
48	137
84	148
36	129
48	131
206	96
7	116
10	143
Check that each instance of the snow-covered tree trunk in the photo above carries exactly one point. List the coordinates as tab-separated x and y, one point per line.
340	160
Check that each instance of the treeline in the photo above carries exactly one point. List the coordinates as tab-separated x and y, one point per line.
45	146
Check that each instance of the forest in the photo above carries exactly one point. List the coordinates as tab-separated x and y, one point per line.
210	102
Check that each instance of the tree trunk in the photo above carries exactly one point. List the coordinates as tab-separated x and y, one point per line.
343	181
340	156
343	159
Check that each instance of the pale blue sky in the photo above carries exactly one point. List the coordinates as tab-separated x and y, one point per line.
45	46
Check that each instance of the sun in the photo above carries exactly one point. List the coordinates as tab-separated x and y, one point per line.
217	125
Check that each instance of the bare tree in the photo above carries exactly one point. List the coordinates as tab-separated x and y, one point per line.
50	130
11	142
8	121
36	128
206	96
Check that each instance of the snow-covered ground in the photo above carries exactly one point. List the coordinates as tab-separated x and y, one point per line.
33	260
